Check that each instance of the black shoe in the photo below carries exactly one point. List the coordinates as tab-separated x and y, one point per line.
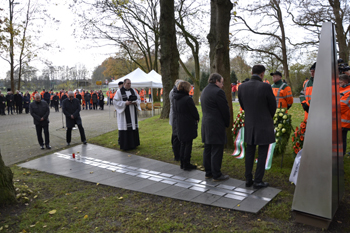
208	176
84	142
68	144
260	185
221	178
42	147
249	183
190	167
48	147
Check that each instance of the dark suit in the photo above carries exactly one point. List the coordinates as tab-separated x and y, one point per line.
259	103
40	110
216	117
69	108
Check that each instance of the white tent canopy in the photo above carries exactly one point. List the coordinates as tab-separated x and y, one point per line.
140	79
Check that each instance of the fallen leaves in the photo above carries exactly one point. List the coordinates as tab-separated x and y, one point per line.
52	212
86	216
91	172
120	198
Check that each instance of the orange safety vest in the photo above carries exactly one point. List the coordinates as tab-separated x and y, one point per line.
345	106
42	94
149	91
283	94
238	85
266	81
142	95
304	83
305	96
191	91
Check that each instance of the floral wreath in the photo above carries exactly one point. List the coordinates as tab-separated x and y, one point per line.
298	137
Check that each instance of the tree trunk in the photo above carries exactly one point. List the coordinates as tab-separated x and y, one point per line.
7	190
169	53
341	37
12	35
219	52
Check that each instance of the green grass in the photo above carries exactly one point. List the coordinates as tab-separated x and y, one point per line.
106	211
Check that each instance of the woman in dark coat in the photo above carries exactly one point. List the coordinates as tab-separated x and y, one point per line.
187	118
94	100
101	100
26	101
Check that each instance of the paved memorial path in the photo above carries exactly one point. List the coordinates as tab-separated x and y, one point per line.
119	169
18	140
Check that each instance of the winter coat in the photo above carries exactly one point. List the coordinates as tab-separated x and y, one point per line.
216	115
10	100
71	107
94	98
259	104
40	110
187	117
26	101
87	97
18	99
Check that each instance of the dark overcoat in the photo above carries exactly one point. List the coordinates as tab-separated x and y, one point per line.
87	97
71	108
216	115
94	98
18	99
187	117
26	101
10	99
40	110
259	104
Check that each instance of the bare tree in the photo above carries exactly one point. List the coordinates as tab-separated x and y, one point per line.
169	53
311	14
192	39
270	30
218	38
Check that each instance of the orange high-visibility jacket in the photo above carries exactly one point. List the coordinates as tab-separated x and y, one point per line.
305	95
266	81
42	94
142	95
191	91
149	91
345	106
283	93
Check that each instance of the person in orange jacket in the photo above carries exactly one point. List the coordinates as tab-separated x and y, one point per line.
305	94
191	91
267	81
282	92
142	95
107	94
306	79
33	94
42	94
344	83
83	98
149	95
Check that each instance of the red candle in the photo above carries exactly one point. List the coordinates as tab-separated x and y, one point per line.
73	155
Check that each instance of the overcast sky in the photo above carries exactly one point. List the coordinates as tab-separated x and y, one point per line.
67	50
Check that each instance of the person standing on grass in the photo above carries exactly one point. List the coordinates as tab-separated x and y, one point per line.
187	118
216	118
126	102
40	111
173	122
71	109
259	104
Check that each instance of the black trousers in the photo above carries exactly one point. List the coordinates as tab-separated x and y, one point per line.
2	110
27	110
69	134
233	96
56	107
39	130
185	153
249	162
176	144
212	159
19	109
8	110
94	106
344	132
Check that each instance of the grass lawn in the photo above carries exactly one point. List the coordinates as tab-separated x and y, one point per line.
87	207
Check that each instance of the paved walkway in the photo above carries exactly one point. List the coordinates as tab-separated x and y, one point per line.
119	169
18	140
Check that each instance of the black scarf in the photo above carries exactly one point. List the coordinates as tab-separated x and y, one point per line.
127	108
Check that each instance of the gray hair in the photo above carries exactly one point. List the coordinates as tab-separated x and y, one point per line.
70	93
37	94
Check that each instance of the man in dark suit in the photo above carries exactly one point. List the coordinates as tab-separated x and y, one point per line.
216	117
259	103
40	112
71	108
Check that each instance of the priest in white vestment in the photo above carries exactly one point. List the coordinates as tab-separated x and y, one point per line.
126	102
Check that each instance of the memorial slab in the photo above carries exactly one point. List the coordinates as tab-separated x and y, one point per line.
124	170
